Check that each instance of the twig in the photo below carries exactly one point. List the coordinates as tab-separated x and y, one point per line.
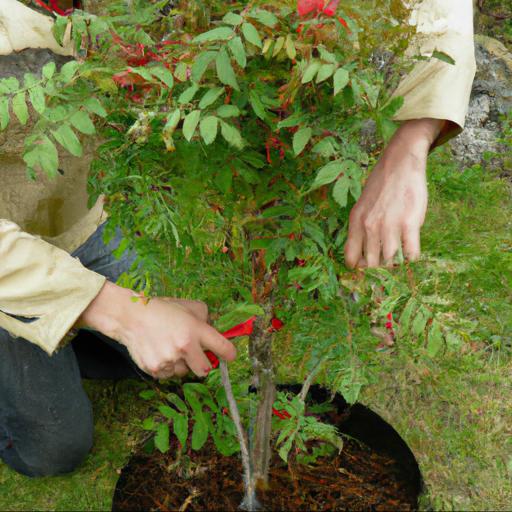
307	383
250	501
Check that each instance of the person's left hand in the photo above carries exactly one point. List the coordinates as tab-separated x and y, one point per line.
393	204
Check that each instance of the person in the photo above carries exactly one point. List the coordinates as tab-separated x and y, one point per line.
57	274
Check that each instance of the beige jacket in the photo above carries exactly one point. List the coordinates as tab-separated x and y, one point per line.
38	277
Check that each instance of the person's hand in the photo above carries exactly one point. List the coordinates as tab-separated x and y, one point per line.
393	204
165	336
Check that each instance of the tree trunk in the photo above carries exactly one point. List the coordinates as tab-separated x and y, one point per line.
260	351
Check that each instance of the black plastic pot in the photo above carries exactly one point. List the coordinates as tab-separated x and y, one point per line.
356	421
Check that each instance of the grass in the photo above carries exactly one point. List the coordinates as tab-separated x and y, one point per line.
454	411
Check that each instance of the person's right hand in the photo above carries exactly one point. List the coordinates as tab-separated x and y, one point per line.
164	336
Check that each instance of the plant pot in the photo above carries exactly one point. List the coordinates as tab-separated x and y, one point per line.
376	470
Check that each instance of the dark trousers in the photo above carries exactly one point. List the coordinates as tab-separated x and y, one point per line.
46	423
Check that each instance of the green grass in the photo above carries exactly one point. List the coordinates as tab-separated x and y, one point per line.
455	411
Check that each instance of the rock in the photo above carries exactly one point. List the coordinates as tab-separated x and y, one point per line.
491	98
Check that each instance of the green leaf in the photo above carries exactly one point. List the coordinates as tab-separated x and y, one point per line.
201	63
181	429
231	18
300	139
208	129
341	78
190	124
66	137
310	71
172	121
231	135
340	191
9	84
264	17
4	112
435	339
162	437
325	71
67	72
149	424
251	34
420	321
228	111
82	122
436	54
289	45
141	71
36	95
181	72
238	315
48	157
178	402
167	411
217	34
257	105
278	46
19	107
188	94
94	106
328	173
59	28
225	71
210	97
199	433
147	394
49	70
392	106
405	317
163	74
237	49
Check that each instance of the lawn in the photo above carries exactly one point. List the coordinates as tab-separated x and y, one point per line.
454	410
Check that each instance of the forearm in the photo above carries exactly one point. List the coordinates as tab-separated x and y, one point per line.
414	137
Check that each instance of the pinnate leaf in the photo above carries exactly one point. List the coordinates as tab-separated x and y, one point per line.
190	124
251	34
66	137
341	78
208	129
19	107
300	139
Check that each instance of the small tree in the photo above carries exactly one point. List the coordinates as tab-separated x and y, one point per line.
233	151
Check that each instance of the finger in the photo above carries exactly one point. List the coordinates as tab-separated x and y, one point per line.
214	341
354	245
390	246
196	360
411	242
164	372
372	246
181	369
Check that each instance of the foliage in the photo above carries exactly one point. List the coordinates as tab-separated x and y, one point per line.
231	159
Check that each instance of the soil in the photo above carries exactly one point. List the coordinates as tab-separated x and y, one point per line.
371	474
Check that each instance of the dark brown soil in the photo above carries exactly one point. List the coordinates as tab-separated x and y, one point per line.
376	473
357	479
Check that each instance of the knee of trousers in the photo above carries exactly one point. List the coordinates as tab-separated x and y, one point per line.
49	451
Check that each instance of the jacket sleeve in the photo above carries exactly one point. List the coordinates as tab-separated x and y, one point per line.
435	88
43	290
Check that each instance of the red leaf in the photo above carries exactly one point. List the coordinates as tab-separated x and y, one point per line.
282	414
277	324
330	9
305	7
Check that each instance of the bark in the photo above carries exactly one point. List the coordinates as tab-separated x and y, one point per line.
260	349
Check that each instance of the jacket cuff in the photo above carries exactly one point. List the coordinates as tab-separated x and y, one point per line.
43	290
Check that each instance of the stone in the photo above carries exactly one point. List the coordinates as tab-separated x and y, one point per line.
491	99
